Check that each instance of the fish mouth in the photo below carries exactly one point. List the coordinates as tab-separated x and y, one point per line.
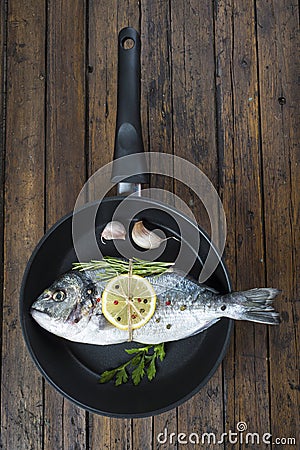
41	317
56	326
47	322
40	304
35	312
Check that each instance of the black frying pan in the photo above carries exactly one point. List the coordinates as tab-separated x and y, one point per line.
72	368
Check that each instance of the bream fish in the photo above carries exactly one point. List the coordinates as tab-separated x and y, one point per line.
71	308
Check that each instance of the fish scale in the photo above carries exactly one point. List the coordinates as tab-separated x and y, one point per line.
183	308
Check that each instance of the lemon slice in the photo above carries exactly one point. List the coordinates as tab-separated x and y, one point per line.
128	301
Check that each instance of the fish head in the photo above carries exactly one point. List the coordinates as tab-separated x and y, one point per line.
65	302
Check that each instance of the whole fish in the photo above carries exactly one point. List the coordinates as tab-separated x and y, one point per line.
71	308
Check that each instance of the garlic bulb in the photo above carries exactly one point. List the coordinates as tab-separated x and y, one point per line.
113	230
145	238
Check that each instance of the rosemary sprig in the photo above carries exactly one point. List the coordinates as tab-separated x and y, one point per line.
142	363
115	266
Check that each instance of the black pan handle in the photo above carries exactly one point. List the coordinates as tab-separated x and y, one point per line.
128	139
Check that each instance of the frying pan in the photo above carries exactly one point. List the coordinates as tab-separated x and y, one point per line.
72	368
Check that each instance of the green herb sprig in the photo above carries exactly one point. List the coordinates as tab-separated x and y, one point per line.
142	363
116	266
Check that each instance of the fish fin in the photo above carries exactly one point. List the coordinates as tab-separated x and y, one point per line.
267	317
258	305
261	295
204	327
161	289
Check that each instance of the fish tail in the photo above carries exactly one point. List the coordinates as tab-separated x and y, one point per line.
258	305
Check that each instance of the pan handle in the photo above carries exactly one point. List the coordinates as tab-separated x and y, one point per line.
128	138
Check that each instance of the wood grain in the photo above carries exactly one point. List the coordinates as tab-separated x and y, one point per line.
193	70
195	140
219	88
102	79
65	172
250	355
21	385
156	104
278	28
106	20
3	35
3	21
227	191
156	101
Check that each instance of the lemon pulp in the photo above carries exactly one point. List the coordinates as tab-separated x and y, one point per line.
128	301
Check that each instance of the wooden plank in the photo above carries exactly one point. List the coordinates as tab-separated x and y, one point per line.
249	381
121	434
194	95
108	16
106	19
225	114
3	44
102	82
22	408
156	99
66	107
65	171
102	79
163	425
99	432
195	139
128	14
225	135
142	434
156	106
2	142
278	29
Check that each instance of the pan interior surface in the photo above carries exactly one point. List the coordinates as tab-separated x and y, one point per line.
74	369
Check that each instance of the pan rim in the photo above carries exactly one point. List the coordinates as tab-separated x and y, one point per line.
219	359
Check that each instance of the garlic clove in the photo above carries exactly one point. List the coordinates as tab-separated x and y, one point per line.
113	230
145	238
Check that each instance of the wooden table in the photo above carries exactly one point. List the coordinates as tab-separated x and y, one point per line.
219	88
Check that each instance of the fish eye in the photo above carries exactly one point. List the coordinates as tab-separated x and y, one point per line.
59	296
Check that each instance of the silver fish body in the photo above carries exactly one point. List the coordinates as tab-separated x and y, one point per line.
71	308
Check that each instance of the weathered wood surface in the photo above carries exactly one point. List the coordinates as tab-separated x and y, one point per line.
21	386
64	424
219	88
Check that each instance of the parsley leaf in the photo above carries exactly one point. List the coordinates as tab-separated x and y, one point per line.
108	375
151	370
159	350
138	372
121	376
143	362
